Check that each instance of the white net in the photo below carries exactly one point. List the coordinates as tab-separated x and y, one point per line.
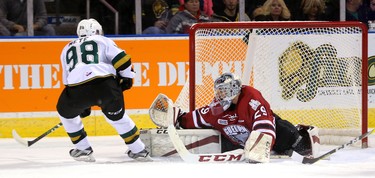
309	74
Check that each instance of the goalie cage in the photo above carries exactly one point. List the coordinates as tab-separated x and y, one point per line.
311	73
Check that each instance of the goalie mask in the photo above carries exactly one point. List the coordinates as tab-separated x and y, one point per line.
89	27
226	88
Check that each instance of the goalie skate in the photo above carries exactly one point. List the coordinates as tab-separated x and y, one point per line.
82	155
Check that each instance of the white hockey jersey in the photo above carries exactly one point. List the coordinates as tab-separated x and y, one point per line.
91	57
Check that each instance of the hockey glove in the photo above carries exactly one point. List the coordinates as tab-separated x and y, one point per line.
125	83
85	113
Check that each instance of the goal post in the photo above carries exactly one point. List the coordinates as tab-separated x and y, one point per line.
310	72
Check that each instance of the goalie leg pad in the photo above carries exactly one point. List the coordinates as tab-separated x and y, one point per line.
258	147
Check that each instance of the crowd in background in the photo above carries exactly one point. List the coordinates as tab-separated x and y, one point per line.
176	16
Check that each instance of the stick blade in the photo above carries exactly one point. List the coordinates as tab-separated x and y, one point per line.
19	139
180	146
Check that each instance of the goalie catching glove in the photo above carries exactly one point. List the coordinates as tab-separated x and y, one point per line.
163	112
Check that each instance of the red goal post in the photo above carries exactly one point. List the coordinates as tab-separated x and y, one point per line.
311	72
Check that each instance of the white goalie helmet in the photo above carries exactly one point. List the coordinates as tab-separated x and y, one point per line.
88	27
226	88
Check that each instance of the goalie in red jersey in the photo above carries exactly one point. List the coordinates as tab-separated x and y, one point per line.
246	121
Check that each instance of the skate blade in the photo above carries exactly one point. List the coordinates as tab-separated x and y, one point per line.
144	159
89	158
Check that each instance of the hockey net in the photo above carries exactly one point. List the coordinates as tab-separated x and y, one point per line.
311	73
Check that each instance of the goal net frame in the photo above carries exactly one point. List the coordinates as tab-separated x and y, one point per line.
281	25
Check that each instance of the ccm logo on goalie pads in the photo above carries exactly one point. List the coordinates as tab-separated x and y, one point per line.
220	158
258	147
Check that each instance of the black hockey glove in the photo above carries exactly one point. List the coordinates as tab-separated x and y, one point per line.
85	113
125	83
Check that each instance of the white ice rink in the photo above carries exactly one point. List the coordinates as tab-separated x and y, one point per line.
49	158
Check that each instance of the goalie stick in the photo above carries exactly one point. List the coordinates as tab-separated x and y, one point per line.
31	142
305	160
232	156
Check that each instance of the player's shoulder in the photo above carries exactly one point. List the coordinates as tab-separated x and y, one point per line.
250	92
97	37
248	88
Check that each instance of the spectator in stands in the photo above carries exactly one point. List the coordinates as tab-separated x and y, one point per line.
230	13
4	31
188	15
157	14
13	15
276	10
101	13
205	6
371	15
371	11
311	10
354	11
332	11
251	6
258	14
126	9
153	14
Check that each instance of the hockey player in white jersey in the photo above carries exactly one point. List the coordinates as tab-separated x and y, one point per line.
95	73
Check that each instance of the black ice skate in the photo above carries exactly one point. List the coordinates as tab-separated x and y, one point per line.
82	155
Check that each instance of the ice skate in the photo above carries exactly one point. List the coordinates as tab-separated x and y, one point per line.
82	155
144	155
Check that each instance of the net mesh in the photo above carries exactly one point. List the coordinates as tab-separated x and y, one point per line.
309	75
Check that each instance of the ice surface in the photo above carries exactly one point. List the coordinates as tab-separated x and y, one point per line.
49	158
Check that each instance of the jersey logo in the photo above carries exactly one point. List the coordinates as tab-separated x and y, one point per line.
115	113
222	122
237	133
231	117
254	104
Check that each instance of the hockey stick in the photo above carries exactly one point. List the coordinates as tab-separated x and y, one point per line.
232	156
31	142
306	160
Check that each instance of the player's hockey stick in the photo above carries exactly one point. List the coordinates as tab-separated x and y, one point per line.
232	156
306	160
31	142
